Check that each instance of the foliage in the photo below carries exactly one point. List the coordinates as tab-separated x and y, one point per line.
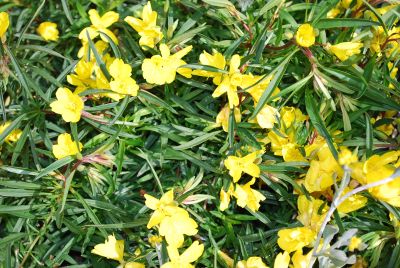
302	96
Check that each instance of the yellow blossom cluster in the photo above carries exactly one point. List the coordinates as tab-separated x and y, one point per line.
173	223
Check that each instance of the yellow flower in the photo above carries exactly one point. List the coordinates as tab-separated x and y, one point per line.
216	60
66	146
333	13
111	249
247	196
165	206
319	176
134	265
68	104
379	167
291	115
122	82
393	74
355	243
346	157
295	238
100	24
150	33
83	52
252	262
378	38
282	260
14	135
4	23
352	203
257	90
162	69
311	212
237	165
154	240
305	35
230	82
278	141
190	255
225	197
48	31
174	227
322	172
299	260
223	117
291	153
345	50
267	117
82	78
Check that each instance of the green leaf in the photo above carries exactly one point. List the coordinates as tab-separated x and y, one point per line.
318	123
54	166
344	22
197	141
277	73
203	67
98	58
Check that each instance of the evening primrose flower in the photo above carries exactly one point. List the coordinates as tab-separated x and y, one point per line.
66	146
379	167
355	243
305	35
299	260
223	117
246	196
267	117
175	226
14	135
225	197
295	238
122	82
163	207
190	255
216	60
155	240
150	33
162	69
333	13
100	24
82	78
345	50
352	203
4	23
230	82
291	115
111	249
322	172
282	260
311	212
83	52
347	157
68	104
251	262
238	165
133	264
48	31
291	153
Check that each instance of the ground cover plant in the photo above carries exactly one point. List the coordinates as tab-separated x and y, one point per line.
199	133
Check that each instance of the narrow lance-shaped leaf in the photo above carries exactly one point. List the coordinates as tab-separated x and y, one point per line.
277	73
318	123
